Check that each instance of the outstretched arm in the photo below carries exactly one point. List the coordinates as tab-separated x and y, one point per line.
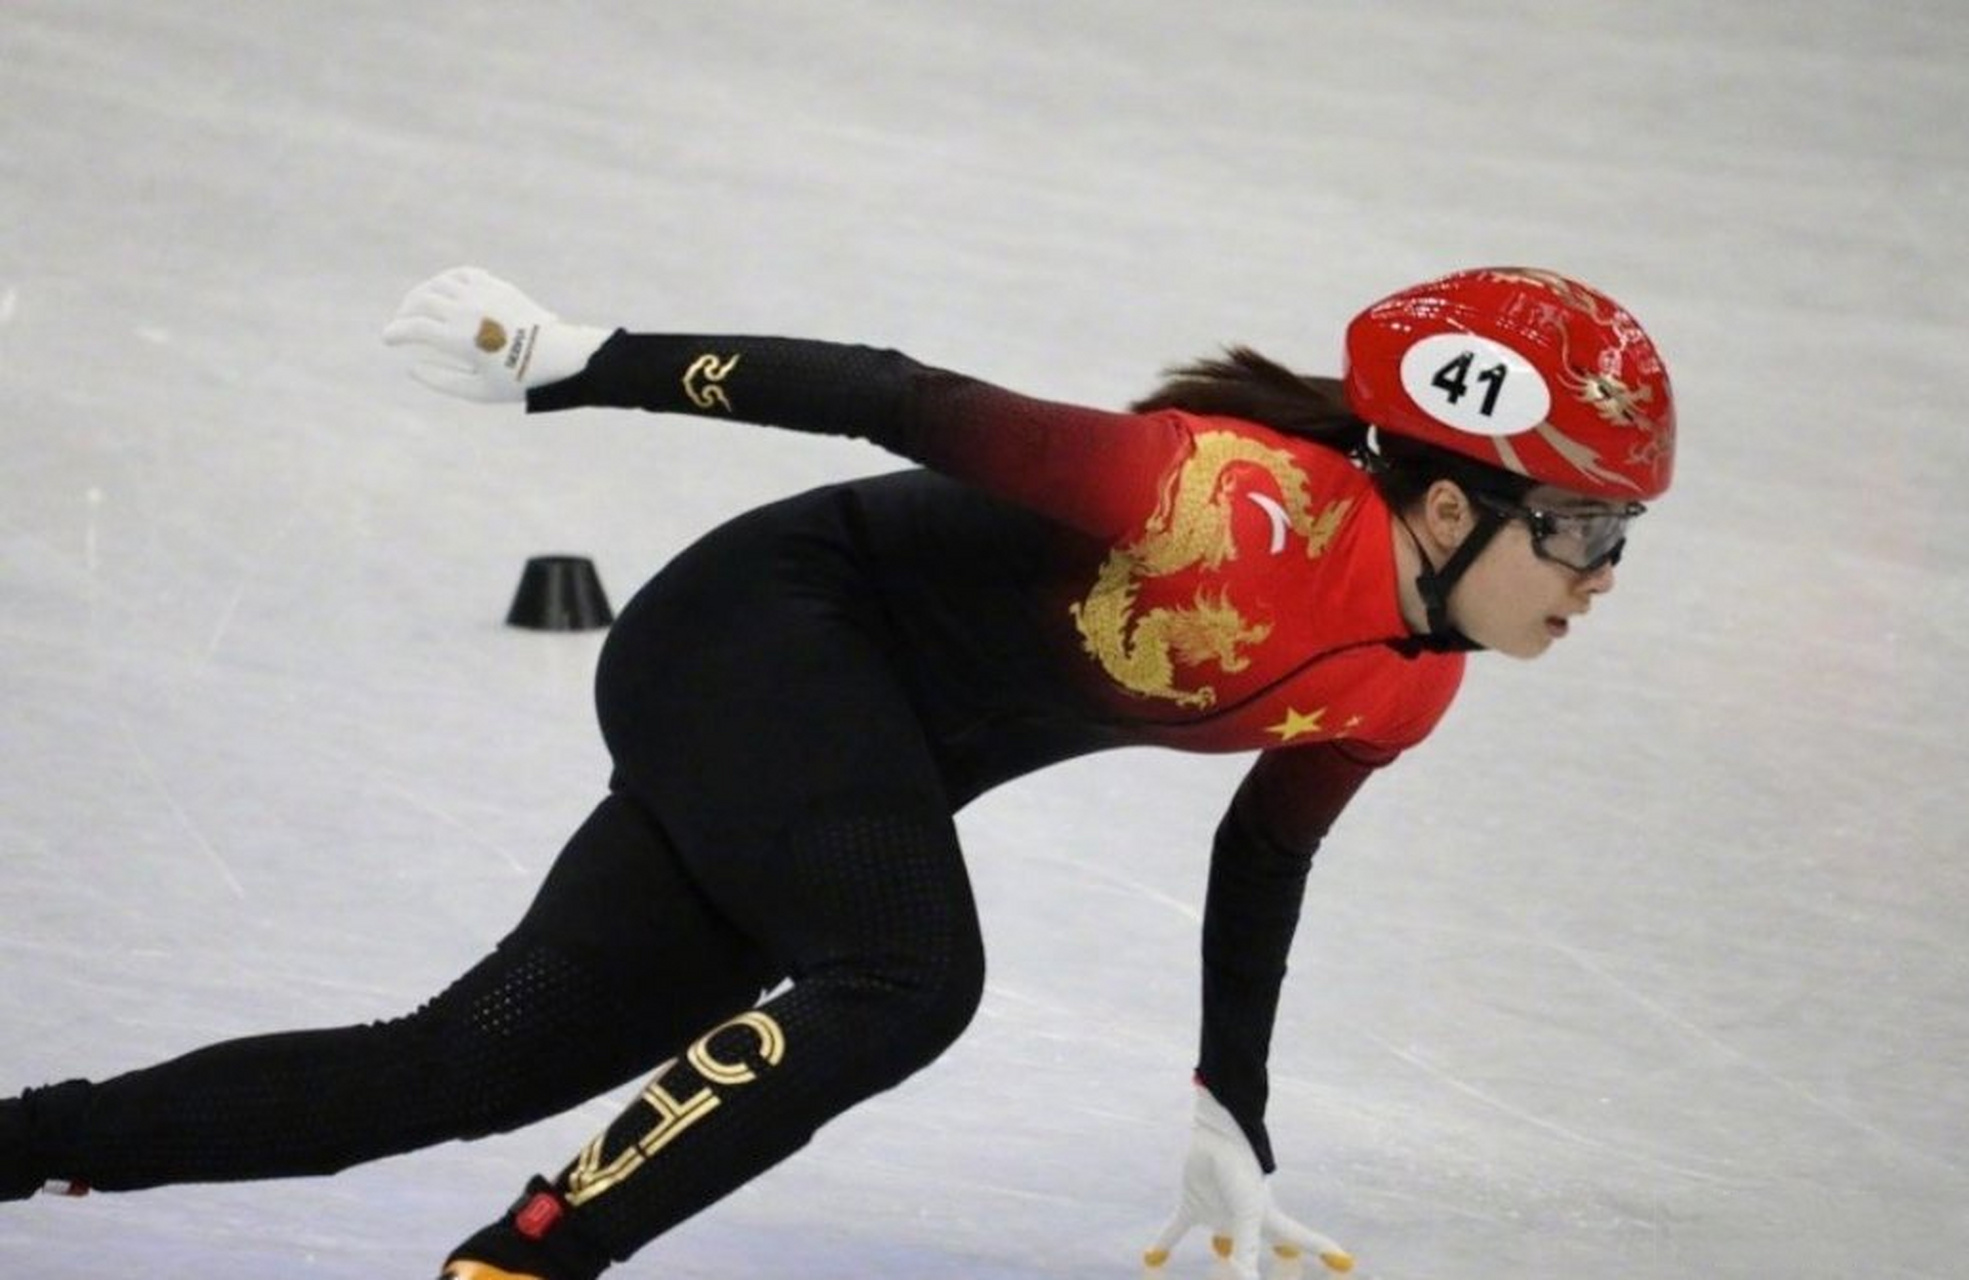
476	336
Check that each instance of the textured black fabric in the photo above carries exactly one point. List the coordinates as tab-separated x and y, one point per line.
25	1125
617	964
750	695
834	388
873	909
21	1174
1251	911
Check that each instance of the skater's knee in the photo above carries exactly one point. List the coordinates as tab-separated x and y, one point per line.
529	1032
940	1006
908	1014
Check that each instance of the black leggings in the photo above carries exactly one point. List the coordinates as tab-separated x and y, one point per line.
751	699
563	1009
775	814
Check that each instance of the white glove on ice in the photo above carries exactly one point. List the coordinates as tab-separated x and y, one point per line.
474	335
1224	1190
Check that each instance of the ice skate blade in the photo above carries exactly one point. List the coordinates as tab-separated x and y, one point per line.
481	1271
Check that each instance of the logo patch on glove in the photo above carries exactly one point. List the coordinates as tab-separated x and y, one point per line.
492	337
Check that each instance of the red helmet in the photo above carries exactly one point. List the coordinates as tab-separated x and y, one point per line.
1523	370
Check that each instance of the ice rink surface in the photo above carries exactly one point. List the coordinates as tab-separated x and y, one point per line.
1654	963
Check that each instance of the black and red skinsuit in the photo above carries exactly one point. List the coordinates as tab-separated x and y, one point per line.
795	707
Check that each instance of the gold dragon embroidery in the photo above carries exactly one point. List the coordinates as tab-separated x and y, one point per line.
1191	527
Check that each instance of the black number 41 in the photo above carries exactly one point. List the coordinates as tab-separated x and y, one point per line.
1454	379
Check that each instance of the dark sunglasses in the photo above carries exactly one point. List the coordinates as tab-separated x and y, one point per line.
1585	540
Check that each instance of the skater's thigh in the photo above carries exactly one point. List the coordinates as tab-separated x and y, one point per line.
759	668
805	801
619	901
753	689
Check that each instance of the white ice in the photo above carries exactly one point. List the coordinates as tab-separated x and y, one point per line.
1652	964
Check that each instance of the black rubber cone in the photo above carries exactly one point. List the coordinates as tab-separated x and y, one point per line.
560	593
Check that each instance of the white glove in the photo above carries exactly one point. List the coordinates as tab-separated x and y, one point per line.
1224	1190
474	335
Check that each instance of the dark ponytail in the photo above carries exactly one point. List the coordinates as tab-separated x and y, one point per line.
1243	384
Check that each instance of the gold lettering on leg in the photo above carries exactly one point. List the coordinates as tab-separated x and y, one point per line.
591	1177
772	1047
595	1171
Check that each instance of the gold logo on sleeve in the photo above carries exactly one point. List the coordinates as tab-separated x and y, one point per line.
702	378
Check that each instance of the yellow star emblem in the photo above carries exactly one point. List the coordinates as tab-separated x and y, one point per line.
1297	724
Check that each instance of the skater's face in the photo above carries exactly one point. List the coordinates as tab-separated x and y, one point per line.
1552	556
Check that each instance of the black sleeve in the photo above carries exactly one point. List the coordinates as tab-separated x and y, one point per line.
823	387
1095	470
1258	868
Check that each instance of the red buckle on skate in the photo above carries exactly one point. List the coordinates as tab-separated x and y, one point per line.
539	1215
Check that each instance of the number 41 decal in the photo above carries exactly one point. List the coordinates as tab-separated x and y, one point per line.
1454	379
1476	384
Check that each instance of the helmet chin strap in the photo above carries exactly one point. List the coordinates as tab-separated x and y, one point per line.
1434	584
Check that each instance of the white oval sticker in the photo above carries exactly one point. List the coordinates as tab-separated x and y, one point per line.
1476	385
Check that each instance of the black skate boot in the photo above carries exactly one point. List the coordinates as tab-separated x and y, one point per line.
534	1241
28	1125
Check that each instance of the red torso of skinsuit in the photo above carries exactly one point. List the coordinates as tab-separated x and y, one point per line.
1247	595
